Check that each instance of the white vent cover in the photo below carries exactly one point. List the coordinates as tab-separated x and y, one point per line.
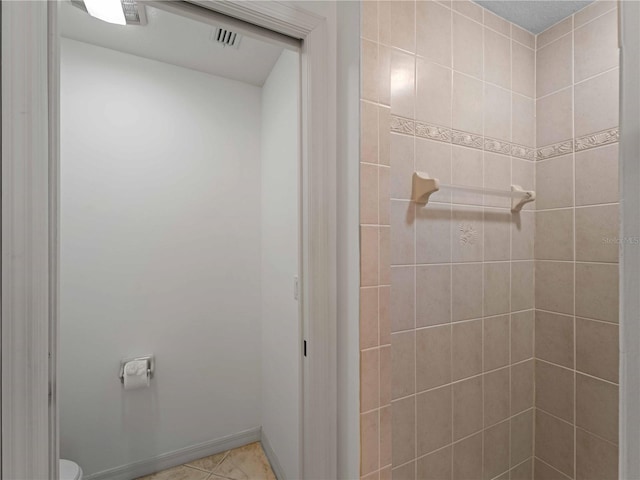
225	38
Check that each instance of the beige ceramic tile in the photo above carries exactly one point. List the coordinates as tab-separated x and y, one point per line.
522	236
467	349
369	24
554	286
497	112
592	11
597	407
554	338
385	374
595	458
522	286
402	232
496	234
369	379
181	472
554	442
405	472
524	122
433	357
245	463
467	235
208	463
523	174
368	194
596	46
403	430
467	104
597	350
546	472
522	327
384	75
434	158
467	407
368	256
468	8
384	136
521	437
467	458
496	289
402	298
554	182
597	231
524	471
433	96
369	438
554	68
597	175
433	417
436	465
368	317
467	291
554	390
433	302
554	235
383	195
385	435
403	364
496	396
497	59
597	103
433	233
368	132
370	71
467	46
496	341
554	118
402	25
384	319
466	169
522	388
524	62
433	34
386	472
554	32
523	36
496	450
497	23
597	291
384	255
402	166
402	84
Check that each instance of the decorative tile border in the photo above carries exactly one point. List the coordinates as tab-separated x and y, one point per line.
447	135
605	137
456	137
554	150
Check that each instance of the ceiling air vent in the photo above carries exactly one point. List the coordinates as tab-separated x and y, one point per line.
226	38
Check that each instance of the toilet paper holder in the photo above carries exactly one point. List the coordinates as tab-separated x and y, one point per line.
151	363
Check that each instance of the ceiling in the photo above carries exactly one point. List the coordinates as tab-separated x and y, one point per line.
534	15
176	40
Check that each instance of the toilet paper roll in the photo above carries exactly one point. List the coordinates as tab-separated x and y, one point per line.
135	374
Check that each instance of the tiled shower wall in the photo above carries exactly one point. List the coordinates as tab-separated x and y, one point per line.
576	247
447	298
459	82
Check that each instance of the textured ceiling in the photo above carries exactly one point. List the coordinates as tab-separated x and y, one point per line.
534	16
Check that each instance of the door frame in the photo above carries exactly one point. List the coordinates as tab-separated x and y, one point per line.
30	237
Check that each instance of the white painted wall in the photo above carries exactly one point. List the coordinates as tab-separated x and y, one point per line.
281	327
160	253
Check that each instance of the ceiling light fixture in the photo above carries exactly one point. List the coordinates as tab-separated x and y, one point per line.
107	10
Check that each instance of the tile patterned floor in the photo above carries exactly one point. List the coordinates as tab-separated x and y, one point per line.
244	463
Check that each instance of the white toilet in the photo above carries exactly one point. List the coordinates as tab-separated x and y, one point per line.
70	470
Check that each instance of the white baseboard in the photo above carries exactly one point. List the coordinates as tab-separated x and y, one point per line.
272	457
178	457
